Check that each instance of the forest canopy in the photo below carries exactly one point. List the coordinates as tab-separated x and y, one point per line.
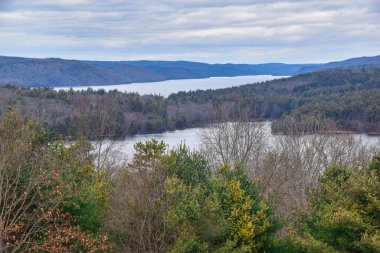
54	198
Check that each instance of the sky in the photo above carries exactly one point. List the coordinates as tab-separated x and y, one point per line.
219	31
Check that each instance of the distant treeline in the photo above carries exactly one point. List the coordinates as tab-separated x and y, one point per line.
349	98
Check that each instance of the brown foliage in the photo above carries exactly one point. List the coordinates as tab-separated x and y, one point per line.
61	236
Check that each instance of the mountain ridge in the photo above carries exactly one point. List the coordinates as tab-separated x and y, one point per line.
55	72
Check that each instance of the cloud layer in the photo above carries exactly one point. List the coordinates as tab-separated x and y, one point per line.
199	30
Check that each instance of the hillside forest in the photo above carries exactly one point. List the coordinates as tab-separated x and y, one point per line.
346	98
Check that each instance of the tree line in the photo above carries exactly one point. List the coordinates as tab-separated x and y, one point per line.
346	98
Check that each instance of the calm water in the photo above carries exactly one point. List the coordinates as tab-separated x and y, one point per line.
191	138
165	88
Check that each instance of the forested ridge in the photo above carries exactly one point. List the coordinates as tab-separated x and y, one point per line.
56	72
347	98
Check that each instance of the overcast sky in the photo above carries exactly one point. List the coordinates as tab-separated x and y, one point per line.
239	31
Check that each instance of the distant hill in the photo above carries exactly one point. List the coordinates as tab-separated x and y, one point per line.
58	72
55	72
353	62
186	69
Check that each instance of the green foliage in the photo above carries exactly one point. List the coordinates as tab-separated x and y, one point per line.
174	202
148	153
136	104
190	167
219	213
135	217
251	224
344	213
49	191
86	196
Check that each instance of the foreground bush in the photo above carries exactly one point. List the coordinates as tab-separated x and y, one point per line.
344	213
51	198
173	202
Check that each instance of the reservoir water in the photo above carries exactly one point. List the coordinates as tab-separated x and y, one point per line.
165	88
192	139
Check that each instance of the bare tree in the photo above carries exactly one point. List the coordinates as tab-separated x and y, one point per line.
294	164
138	203
286	166
24	175
109	156
234	139
96	118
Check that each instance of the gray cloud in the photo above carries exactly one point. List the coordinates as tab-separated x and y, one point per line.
200	30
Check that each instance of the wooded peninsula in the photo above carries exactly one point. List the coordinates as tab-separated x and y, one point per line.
348	98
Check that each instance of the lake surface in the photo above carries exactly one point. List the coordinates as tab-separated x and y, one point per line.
165	88
191	138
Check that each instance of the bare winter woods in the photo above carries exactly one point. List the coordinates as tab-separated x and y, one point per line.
286	166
